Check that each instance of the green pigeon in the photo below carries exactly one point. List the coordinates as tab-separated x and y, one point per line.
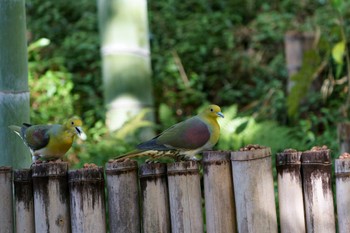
183	140
49	141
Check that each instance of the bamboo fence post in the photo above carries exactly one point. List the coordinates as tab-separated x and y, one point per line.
317	185
290	192
24	201
51	200
342	174
185	197
254	190
123	197
343	130
6	213
87	200
218	192
155	201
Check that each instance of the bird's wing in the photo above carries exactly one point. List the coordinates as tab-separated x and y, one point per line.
190	134
37	136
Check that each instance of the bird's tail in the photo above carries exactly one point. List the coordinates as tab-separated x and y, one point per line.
16	129
131	155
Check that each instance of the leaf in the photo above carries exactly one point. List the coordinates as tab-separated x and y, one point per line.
338	52
337	4
42	42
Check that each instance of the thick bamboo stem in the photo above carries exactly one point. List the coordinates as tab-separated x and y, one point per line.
125	61
14	94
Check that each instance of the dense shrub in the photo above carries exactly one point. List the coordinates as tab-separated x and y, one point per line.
225	52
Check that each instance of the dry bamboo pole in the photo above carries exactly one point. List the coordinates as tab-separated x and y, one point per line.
254	190
185	197
6	213
87	200
218	192
317	186
51	197
123	197
344	136
290	192
296	44
342	174
155	201
24	201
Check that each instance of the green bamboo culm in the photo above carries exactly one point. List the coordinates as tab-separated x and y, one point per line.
14	94
126	65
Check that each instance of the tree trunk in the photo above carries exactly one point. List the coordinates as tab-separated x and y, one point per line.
125	61
14	94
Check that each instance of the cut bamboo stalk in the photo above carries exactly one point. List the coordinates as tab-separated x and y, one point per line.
51	197
254	190
296	44
185	197
155	201
123	197
290	192
6	213
318	195
342	174
87	200
24	201
344	136
218	192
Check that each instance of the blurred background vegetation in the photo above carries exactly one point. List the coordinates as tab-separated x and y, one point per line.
229	52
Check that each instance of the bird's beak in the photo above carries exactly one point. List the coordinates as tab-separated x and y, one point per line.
220	114
80	133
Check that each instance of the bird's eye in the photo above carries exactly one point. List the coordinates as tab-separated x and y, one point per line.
211	110
72	122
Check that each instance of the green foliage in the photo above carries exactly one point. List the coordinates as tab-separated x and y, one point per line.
102	146
224	55
50	89
224	52
72	30
237	132
323	67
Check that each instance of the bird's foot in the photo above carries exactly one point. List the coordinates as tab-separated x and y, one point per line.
55	161
151	161
35	162
90	165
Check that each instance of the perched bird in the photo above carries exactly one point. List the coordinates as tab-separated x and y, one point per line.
183	140
49	141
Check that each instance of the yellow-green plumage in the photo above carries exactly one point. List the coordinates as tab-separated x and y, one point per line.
50	141
185	139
